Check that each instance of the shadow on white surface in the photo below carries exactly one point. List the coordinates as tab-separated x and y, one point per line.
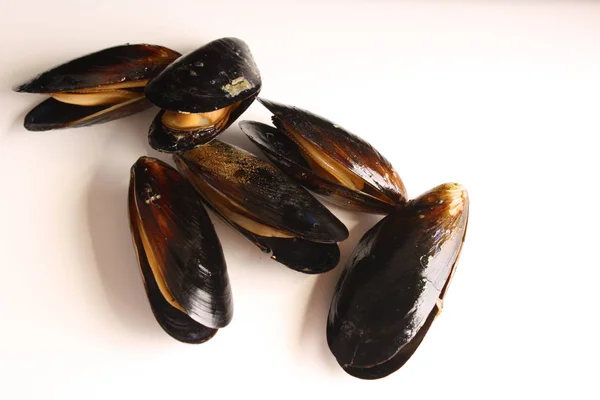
313	332
109	225
113	249
18	122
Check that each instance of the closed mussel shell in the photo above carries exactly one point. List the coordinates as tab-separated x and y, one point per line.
327	159
266	206
180	256
394	283
96	88
201	94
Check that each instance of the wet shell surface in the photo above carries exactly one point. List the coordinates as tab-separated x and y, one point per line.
327	159
179	253
394	283
96	88
266	206
201	94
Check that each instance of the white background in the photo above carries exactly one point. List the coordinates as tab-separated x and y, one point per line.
502	98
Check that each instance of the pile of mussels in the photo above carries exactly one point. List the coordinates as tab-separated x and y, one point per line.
394	282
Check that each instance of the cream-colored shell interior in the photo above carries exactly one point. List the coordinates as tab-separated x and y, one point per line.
155	267
329	169
190	121
103	95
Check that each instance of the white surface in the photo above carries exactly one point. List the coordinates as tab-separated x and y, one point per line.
502	98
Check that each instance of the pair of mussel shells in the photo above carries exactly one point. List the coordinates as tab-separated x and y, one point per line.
200	94
393	284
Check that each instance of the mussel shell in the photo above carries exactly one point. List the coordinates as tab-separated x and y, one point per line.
295	253
386	298
284	153
167	140
120	64
395	363
176	323
267	194
352	152
210	78
271	198
53	114
183	243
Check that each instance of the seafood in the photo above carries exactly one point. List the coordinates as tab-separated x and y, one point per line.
264	205
327	159
179	253
395	281
96	88
201	94
393	285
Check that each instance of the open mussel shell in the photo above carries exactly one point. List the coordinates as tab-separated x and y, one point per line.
179	253
266	206
201	94
167	139
394	283
96	88
328	159
119	65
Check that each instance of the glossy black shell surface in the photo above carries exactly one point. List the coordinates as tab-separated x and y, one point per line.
115	65
53	114
394	282
210	78
285	154
176	323
180	238
383	189
267	196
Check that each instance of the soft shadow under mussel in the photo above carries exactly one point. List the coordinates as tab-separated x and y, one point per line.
96	88
264	205
180	256
201	94
327	159
394	283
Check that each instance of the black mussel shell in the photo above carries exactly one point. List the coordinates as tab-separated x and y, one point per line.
180	255
96	88
116	65
168	140
383	188
394	282
207	79
221	75
307	231
54	114
284	153
175	322
298	254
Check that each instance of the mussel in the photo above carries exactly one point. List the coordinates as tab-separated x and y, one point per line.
264	205
179	253
327	159
201	94
394	283
96	88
